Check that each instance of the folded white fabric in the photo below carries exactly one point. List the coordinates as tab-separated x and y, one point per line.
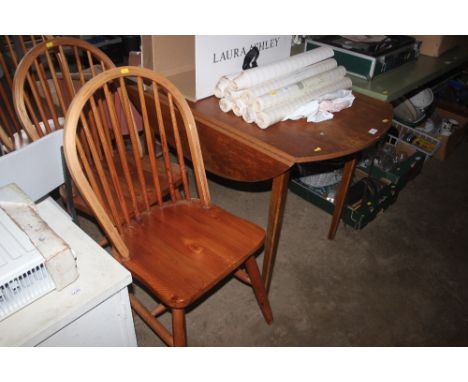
278	113
252	77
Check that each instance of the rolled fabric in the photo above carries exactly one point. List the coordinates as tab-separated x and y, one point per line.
283	94
288	79
223	84
276	113
251	77
225	104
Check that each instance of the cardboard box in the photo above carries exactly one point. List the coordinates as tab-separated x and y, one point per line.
435	46
404	171
356	216
450	142
196	63
453	94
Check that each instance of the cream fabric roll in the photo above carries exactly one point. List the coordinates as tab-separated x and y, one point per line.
289	79
251	77
276	113
297	89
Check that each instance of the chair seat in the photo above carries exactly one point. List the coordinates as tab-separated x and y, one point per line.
182	250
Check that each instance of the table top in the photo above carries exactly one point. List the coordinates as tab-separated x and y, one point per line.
241	151
100	278
410	76
351	130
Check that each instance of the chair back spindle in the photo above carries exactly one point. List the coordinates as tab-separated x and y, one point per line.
12	50
122	179
47	79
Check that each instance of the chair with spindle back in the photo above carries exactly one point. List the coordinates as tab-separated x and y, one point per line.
45	83
178	249
12	49
48	77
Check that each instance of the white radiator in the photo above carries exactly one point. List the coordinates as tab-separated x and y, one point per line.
34	260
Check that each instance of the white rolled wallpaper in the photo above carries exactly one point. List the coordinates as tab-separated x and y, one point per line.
266	95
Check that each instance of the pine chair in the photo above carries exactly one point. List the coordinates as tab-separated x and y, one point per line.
178	249
44	85
45	82
47	79
12	49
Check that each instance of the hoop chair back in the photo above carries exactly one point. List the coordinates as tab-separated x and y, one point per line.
47	79
12	50
110	173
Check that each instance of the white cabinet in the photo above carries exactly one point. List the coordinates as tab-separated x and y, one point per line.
92	311
109	323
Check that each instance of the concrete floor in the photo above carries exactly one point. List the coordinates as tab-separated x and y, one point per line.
400	281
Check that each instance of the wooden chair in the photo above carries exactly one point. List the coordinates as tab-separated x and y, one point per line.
46	81
12	49
179	249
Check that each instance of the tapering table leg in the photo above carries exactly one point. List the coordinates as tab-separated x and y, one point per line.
275	218
340	196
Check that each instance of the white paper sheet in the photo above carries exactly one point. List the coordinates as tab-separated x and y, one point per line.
322	108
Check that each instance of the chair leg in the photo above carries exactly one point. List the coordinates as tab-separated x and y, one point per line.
259	288
179	331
